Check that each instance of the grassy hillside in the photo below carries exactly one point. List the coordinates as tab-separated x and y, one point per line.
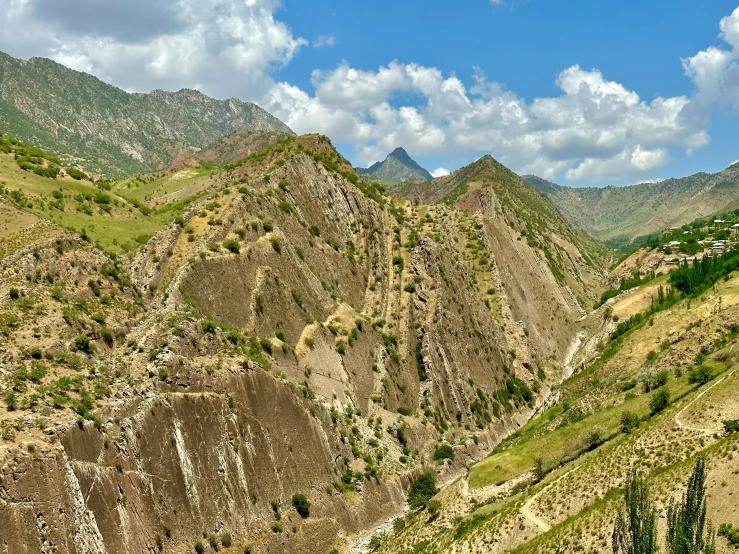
621	215
112	215
554	483
107	130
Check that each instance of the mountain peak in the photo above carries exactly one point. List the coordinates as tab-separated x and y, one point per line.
397	167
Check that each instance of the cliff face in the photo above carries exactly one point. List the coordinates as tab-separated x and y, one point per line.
296	332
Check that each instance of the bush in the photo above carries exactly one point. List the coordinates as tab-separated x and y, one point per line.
433	507
301	505
700	375
444	452
732	534
83	344
15	294
232	246
629	422
76	174
594	438
731	426
660	400
276	244
422	489
199	548
404	411
226	540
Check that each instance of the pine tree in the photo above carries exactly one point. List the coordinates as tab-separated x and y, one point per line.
686	520
635	531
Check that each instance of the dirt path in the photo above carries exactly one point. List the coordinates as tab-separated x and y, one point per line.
689	404
530	515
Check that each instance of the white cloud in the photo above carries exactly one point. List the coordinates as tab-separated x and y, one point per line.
593	130
440	172
222	47
324	41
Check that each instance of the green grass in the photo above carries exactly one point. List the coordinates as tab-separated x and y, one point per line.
536	440
146	191
115	231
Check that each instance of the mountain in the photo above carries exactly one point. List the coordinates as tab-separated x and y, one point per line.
109	131
619	215
194	352
226	151
396	168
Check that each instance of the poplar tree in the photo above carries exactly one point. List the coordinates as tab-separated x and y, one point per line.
687	532
635	531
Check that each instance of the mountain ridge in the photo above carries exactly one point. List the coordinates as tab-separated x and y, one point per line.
621	216
109	131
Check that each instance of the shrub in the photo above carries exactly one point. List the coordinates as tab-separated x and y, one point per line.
660	400
433	507
314	231
593	438
226	540
83	344
276	244
267	225
15	294
700	375
731	426
444	452
410	287
199	548
76	174
404	411
341	347
422	489
213	541
232	246
629	422
301	505
732	534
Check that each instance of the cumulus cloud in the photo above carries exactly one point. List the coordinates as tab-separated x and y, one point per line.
594	130
440	172
222	47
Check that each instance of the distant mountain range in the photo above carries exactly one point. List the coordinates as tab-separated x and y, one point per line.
396	168
109	131
619	216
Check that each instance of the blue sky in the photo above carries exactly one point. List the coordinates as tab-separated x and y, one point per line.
579	92
524	45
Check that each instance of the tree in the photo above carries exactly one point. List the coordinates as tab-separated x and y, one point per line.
635	531
686	520
629	422
660	400
539	470
700	375
422	489
301	505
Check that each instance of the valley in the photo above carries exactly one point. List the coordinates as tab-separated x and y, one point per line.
219	336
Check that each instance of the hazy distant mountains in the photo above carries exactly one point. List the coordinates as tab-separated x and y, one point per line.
109	130
396	168
618	215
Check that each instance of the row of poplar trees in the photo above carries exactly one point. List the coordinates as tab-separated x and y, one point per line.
635	531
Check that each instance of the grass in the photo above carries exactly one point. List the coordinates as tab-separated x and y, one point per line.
563	443
115	230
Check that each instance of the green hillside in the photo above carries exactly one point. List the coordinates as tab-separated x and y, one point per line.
107	130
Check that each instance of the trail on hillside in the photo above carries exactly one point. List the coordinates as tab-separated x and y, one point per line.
530	515
689	404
